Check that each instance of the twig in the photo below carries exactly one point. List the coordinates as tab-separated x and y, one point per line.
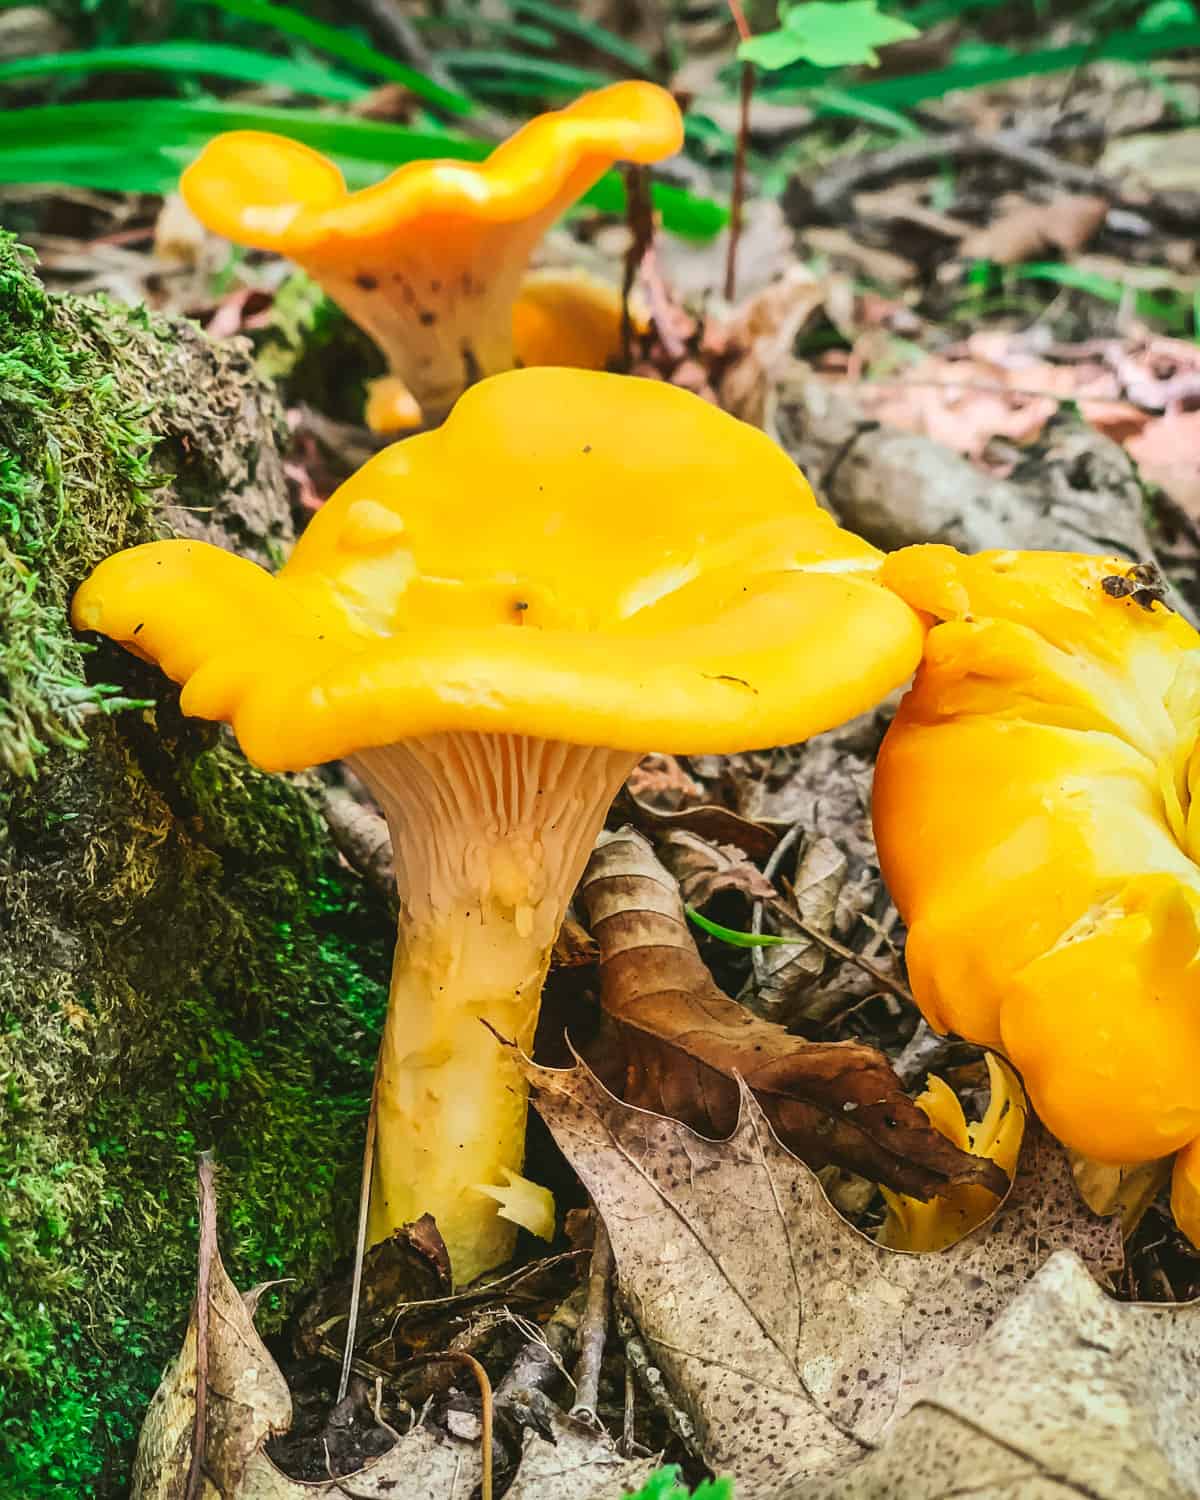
207	1197
738	193
790	912
924	1051
360	1244
639	215
911	156
361	835
593	1331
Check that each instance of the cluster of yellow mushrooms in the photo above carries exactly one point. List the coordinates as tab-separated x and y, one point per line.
494	619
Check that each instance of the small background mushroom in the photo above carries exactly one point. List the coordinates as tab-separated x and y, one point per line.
429	262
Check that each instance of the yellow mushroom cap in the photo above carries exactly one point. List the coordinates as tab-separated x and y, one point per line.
1037	809
568	317
574	555
276	194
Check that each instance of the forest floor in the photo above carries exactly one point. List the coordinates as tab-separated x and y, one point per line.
1015	283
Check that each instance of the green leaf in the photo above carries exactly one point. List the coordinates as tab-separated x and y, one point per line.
773	50
142	145
192	60
664	1484
733	938
339	43
827	34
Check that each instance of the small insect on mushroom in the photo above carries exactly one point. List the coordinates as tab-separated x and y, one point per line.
1037	812
492	622
1142	583
430	261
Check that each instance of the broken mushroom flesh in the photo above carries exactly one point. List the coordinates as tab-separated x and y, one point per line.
430	261
1037	810
492	622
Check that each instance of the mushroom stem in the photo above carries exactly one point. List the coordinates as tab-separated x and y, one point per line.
491	833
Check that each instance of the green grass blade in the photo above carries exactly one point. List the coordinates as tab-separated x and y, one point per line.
1174	313
563	20
732	937
143	145
338	43
914	88
554	79
192	60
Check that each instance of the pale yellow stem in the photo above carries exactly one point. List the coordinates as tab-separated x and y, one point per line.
491	833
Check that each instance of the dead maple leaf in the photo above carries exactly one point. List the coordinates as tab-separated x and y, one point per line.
1067	1394
1025	230
703	869
685	1044
1167	451
793	1342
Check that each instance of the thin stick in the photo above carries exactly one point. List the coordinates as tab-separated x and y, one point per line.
640	217
593	1329
790	912
738	195
207	1197
360	1245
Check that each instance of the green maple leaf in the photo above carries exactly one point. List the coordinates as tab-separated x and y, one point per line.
827	34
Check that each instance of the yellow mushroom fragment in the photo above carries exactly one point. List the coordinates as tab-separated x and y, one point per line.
1037	809
492	622
430	261
944	1220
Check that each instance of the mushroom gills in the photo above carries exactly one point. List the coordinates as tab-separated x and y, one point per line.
491	833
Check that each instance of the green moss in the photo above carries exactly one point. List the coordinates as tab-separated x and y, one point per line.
182	962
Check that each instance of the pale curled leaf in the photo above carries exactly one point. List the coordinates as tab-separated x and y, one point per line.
683	1043
579	1464
793	1341
248	1401
1069	1393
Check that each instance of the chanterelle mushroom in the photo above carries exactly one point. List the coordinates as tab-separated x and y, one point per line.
429	262
491	622
1037	808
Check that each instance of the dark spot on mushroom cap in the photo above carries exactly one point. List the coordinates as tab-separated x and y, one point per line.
365	280
587	447
138	626
435	286
427	317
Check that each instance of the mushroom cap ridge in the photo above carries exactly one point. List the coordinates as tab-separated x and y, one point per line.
275	193
574	555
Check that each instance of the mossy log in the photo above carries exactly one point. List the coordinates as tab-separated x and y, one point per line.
183	962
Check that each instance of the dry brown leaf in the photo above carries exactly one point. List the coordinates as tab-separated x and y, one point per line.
685	1044
881	265
793	1342
704	870
785	973
1026	230
660	784
248	1400
1167	451
1067	1394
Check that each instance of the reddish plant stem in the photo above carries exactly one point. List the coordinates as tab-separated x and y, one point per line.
738	196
